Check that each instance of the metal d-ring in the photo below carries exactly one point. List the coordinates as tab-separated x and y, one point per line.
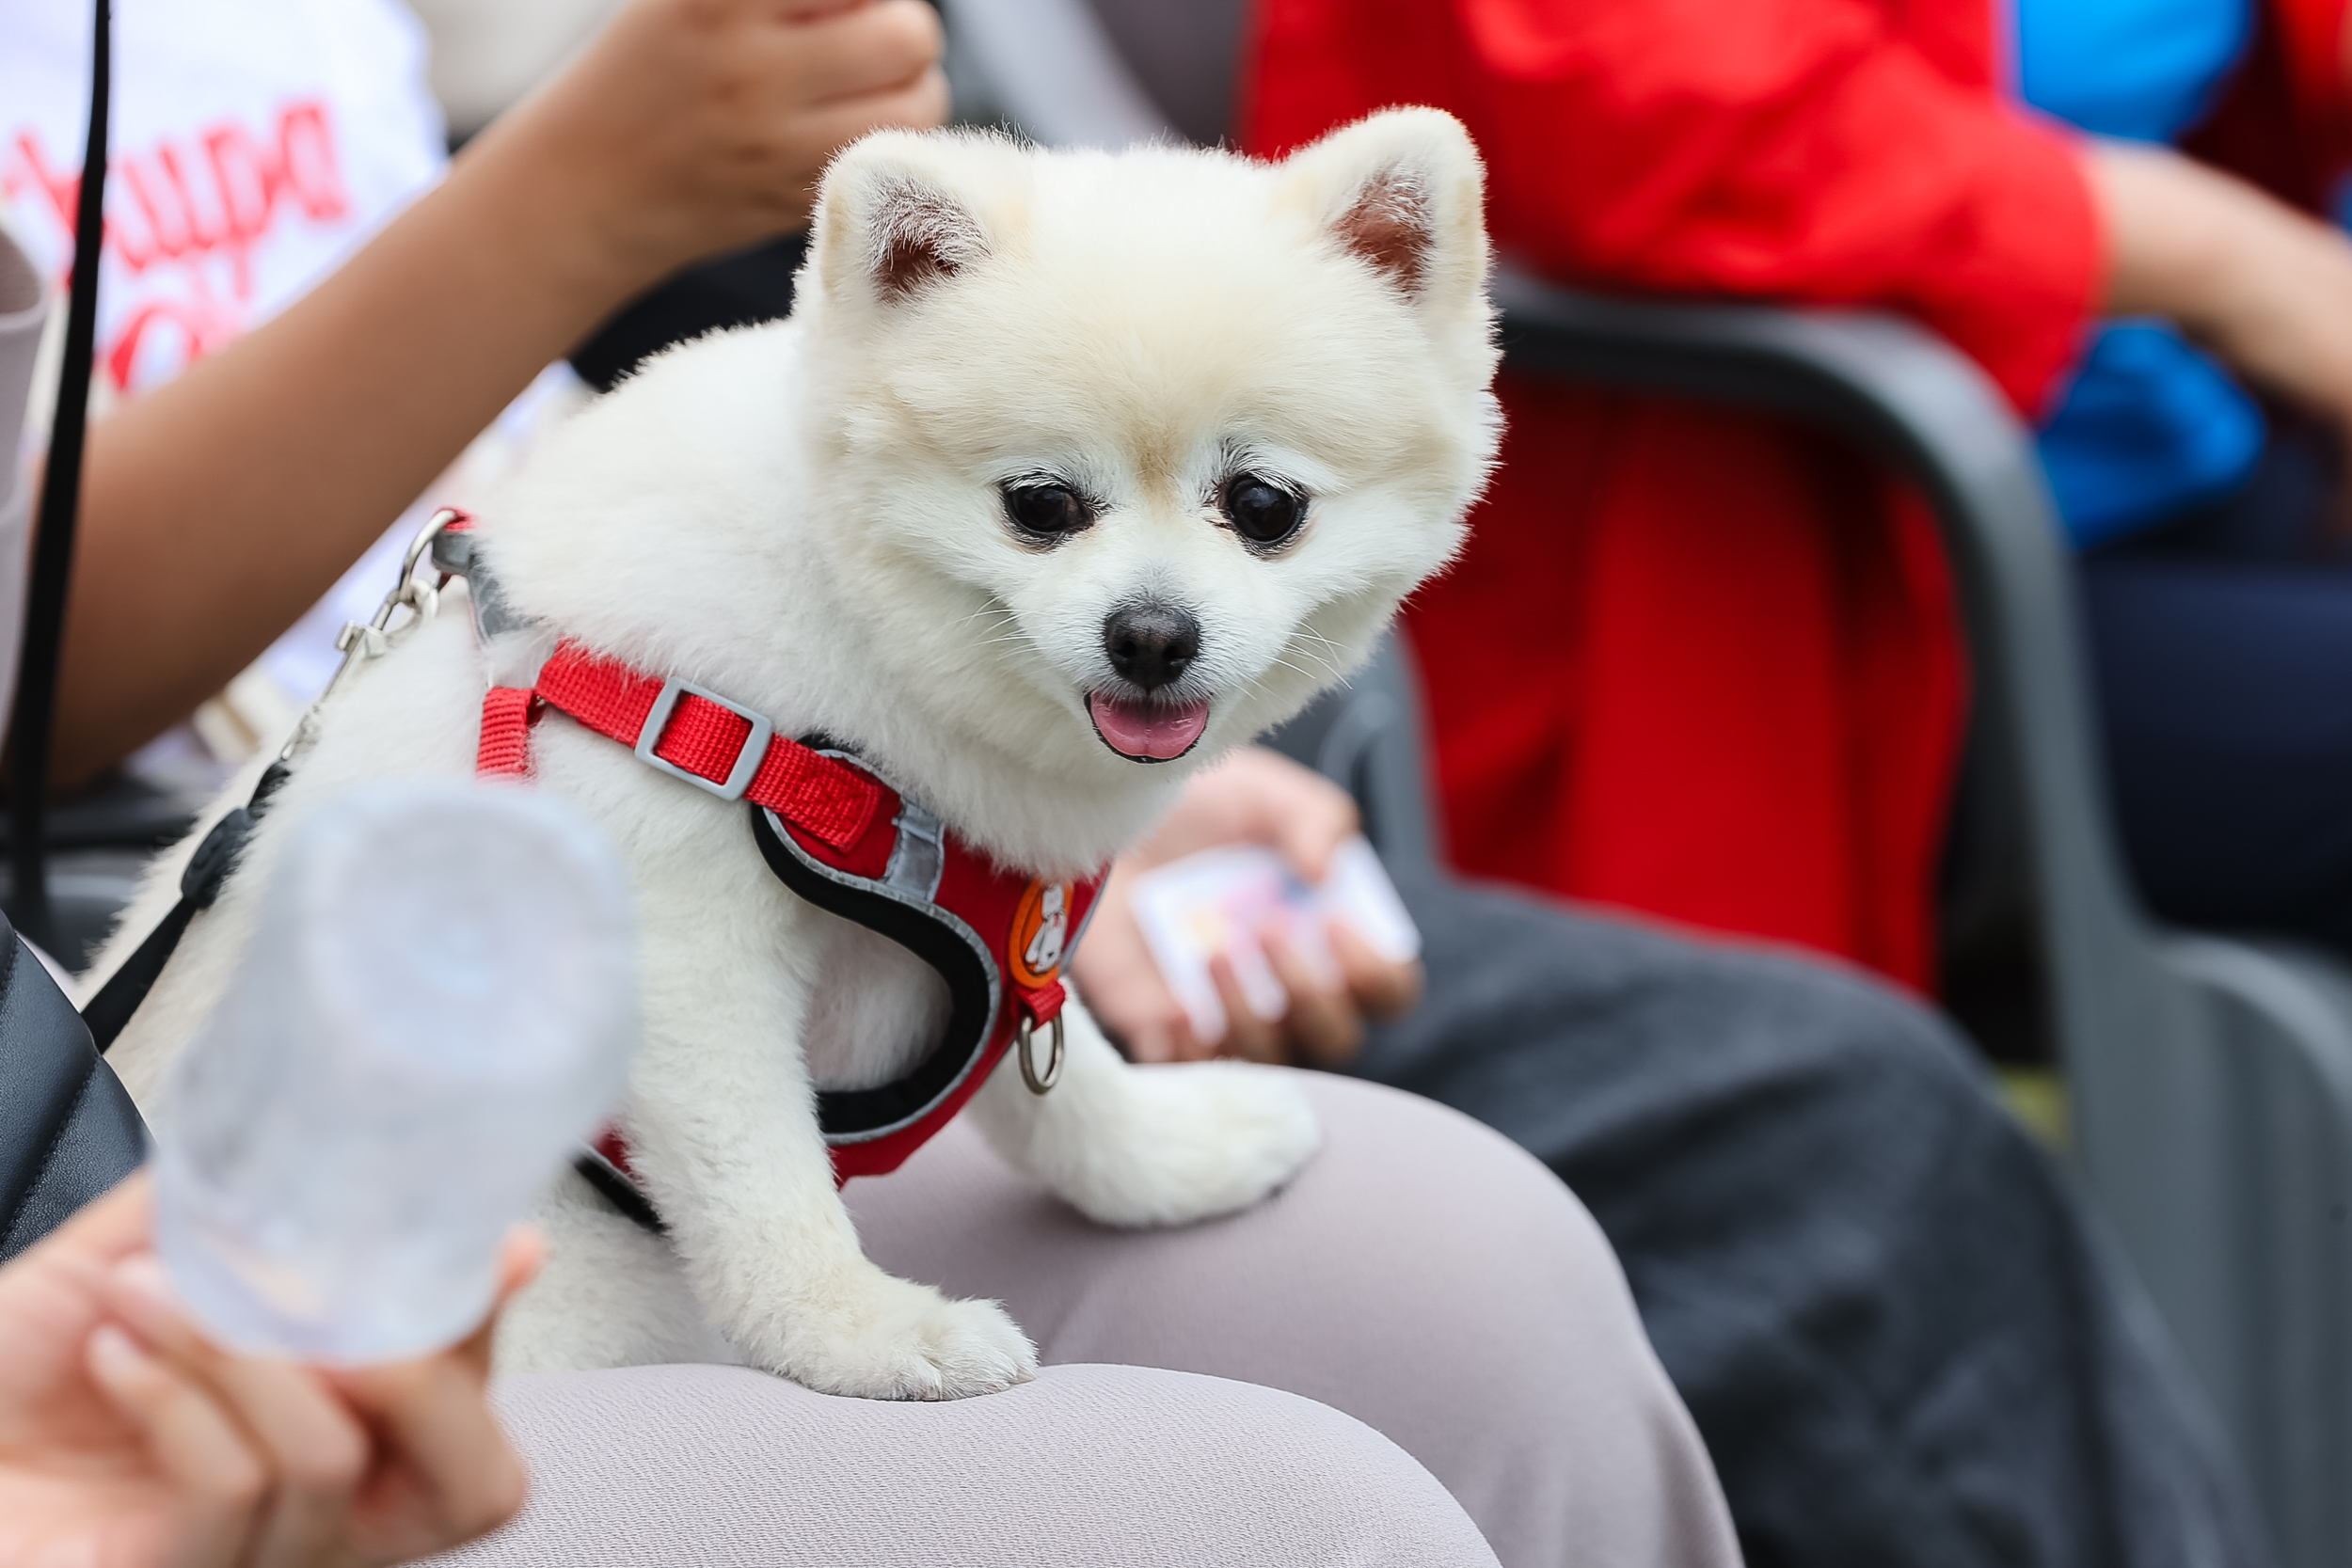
1029	1075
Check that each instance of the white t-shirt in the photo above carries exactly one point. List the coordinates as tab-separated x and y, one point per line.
254	144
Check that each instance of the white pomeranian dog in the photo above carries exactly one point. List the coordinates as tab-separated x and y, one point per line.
1070	472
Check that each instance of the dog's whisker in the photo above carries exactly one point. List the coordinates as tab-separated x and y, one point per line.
1329	670
1321	641
1330	663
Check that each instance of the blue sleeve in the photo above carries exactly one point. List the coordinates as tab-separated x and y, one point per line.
2150	428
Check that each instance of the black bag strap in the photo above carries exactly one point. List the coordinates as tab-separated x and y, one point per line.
33	724
68	1129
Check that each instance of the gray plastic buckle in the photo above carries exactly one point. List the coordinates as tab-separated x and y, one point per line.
746	762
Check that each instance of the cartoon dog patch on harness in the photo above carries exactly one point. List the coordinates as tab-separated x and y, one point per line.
1041	933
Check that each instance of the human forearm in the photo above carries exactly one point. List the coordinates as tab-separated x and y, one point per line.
218	507
2264	286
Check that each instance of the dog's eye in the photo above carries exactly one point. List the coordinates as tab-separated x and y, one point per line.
1262	513
1049	511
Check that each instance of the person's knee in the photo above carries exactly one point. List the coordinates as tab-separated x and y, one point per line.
711	1463
1452	1222
1413	1166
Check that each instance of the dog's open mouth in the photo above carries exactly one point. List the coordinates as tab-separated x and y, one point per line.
1144	731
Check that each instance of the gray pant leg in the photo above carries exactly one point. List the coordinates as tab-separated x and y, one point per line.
1900	1337
1086	1467
1421	1274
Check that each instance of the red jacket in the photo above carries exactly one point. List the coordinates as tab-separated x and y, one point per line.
1700	663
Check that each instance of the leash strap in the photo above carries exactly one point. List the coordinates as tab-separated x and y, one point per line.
687	731
208	869
200	884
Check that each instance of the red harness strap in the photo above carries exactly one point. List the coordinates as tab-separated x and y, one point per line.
1004	934
701	738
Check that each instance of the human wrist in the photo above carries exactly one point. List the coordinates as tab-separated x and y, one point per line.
563	229
2261	285
2171	248
2219	258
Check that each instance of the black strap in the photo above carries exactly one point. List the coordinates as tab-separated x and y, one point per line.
67	1131
48	1059
953	953
200	884
32	727
619	1191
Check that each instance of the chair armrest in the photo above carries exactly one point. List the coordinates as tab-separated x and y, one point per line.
2210	1078
1902	393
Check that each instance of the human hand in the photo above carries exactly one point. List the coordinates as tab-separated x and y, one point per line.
1254	796
127	1440
693	127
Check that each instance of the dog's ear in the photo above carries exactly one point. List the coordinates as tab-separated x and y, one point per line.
899	213
916	237
1404	193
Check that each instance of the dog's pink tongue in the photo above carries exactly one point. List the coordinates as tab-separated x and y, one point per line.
1148	732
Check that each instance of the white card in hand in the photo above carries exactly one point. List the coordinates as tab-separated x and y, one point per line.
1218	900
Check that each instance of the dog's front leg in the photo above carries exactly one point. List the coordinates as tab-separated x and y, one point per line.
725	1131
1149	1146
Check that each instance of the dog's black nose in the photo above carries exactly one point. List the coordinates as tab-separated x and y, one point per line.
1150	643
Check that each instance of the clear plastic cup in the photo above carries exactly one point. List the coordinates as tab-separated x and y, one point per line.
438	1004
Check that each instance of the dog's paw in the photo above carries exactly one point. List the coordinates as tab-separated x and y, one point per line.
1198	1140
895	1340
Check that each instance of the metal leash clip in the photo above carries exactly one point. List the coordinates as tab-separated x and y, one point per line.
363	642
1025	1042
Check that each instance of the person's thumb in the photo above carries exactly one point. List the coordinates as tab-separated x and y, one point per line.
1311	829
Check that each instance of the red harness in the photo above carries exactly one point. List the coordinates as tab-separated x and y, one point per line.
846	840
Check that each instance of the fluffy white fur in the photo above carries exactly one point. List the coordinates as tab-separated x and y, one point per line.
807	517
